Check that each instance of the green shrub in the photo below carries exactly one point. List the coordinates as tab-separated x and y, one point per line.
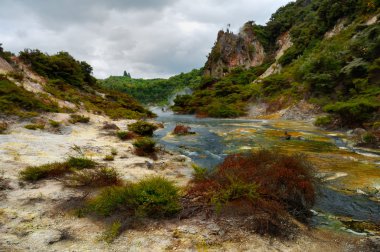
95	178
34	173
112	232
78	118
354	112
156	197
34	126
151	197
81	163
199	173
144	146
236	189
113	152
369	138
54	124
142	128
125	135
323	121
109	158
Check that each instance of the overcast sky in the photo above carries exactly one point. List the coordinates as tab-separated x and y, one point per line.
151	38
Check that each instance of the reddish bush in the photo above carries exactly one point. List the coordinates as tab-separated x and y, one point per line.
264	184
182	130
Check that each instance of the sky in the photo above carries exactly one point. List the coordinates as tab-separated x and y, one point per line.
147	38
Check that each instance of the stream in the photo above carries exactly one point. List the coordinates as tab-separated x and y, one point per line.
351	177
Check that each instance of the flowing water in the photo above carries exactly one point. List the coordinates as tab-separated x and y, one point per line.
351	177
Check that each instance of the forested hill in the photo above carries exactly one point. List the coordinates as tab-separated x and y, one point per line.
34	82
321	52
153	91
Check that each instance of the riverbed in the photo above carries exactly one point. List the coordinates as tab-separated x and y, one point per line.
349	178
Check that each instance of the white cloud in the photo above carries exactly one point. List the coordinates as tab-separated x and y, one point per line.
146	38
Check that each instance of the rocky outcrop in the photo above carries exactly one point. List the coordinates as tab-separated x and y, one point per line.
284	43
235	50
5	67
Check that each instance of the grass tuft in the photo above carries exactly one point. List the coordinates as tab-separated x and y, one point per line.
79	118
34	126
142	128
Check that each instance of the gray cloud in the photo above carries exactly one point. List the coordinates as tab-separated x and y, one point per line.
147	38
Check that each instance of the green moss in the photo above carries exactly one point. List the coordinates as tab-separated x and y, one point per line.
54	124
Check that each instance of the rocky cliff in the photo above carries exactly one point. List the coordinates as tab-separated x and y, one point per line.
232	50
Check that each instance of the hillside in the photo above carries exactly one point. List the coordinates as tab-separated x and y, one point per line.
153	91
325	55
36	82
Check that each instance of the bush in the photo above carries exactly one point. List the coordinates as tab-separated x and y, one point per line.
34	173
264	184
3	127
81	163
199	173
54	124
369	138
95	178
354	112
144	146
109	158
152	197
323	121
112	232
78	118
156	197
125	135
34	126
182	130
142	128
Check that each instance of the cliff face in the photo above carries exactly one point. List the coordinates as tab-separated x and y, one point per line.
232	50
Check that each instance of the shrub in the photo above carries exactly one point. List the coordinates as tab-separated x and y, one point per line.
142	128
144	146
3	127
34	126
182	130
81	163
199	173
354	112
112	232
34	173
323	121
95	178
54	124
151	197
78	118
109	158
264	184
125	135
113	152
369	138
156	197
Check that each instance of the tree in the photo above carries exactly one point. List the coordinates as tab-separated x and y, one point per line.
126	74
